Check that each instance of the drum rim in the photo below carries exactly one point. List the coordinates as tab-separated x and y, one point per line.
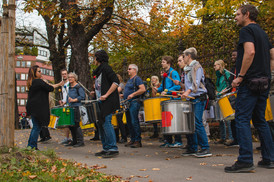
88	101
166	101
157	98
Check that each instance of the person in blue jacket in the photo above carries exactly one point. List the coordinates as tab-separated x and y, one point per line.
167	86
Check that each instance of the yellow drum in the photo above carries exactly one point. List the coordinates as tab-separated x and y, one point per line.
87	126
268	111
152	108
124	118
53	121
225	106
114	121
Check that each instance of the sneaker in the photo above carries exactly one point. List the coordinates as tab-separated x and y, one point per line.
65	141
189	153
240	167
231	144
128	144
203	153
110	154
100	153
122	141
94	139
70	144
221	141
165	145
79	145
136	144
175	145
266	164
42	140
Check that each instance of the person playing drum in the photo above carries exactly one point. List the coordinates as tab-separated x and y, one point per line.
133	90
222	83
75	94
65	87
194	86
167	86
106	84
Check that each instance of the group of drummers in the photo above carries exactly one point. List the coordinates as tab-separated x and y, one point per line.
178	103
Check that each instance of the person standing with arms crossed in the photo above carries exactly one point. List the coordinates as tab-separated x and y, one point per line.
253	66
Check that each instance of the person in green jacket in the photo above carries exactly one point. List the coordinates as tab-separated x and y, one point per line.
222	82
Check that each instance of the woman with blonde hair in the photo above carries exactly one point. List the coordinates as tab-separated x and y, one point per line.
154	83
222	75
222	82
38	103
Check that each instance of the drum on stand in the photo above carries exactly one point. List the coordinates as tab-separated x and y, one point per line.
152	109
93	110
66	116
226	106
177	117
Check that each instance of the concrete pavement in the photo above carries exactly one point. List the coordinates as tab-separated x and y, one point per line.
154	164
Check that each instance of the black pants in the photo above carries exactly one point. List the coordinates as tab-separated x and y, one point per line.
233	129
76	131
120	127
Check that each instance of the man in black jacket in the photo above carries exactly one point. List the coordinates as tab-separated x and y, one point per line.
106	84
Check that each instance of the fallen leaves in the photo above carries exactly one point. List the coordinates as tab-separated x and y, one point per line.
155	169
142	169
189	178
32	176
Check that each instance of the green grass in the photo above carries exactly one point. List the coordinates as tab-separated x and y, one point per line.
25	164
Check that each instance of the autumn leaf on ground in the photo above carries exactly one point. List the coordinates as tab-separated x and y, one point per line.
168	159
53	169
202	164
189	178
142	169
155	169
62	170
32	176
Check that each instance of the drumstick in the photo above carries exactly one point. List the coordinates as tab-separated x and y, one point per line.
178	95
84	87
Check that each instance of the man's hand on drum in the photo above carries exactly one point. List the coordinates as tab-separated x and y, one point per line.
176	82
130	96
104	97
236	82
72	100
164	93
186	93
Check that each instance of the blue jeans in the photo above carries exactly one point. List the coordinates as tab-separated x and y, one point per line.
252	106
134	125
223	125
107	135
34	134
199	137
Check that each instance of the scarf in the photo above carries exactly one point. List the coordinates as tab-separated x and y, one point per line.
99	69
190	71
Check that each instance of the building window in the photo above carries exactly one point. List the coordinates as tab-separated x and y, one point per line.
22	102
18	64
23	89
47	72
18	101
42	53
23	64
18	89
28	64
17	76
23	77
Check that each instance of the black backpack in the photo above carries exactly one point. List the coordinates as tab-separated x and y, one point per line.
210	87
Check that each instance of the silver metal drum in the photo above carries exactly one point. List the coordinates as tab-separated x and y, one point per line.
218	116
177	117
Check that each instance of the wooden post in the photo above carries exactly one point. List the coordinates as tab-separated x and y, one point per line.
7	76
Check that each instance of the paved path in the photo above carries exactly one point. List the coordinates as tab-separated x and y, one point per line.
154	164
